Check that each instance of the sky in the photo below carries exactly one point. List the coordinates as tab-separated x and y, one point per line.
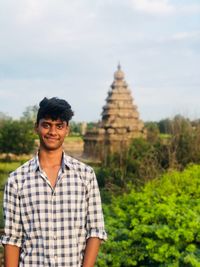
71	49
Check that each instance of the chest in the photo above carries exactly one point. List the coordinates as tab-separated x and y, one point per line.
47	212
69	195
52	174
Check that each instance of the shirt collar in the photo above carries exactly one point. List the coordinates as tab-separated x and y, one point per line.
66	162
69	162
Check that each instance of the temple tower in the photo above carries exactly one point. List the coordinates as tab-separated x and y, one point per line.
120	121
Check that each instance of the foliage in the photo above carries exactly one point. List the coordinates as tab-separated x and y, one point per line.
145	159
92	125
152	131
16	137
75	128
30	113
184	145
164	126
157	226
140	163
73	138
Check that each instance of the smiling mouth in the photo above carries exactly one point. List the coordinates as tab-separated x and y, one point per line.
51	138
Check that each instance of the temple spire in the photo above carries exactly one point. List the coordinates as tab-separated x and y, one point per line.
119	66
120	121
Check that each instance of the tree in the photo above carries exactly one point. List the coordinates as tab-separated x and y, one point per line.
75	128
146	159
164	126
134	165
152	131
183	142
30	114
17	137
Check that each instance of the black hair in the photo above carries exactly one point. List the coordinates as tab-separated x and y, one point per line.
54	108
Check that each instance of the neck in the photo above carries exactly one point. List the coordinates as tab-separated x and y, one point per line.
50	158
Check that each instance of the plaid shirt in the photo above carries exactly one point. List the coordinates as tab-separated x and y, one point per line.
51	225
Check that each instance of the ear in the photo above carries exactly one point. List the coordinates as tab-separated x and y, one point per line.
67	130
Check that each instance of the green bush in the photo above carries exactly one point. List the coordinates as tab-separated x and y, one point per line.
17	137
158	226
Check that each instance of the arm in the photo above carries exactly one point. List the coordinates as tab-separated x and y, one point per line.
91	251
95	220
11	256
12	236
95	223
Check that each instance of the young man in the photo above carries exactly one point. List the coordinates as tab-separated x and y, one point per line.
52	206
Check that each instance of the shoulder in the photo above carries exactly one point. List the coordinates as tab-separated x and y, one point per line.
77	165
82	170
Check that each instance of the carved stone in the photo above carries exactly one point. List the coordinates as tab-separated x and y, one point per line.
120	121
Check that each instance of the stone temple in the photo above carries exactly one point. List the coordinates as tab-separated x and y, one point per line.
120	122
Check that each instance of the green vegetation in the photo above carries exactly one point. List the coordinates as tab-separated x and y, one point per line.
149	158
151	195
75	128
16	137
150	191
73	138
157	226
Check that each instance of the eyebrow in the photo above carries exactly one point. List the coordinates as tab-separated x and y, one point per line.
50	123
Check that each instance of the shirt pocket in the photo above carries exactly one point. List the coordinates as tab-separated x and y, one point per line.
73	201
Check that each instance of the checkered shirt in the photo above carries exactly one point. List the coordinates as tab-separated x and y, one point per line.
51	225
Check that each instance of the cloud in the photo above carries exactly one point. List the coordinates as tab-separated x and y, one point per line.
179	36
164	7
155	103
189	9
153	7
71	48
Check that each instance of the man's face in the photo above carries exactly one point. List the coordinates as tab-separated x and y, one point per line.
51	133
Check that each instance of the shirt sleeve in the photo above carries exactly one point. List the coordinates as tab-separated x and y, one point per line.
95	220
11	208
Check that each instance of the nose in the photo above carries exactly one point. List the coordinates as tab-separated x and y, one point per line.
52	130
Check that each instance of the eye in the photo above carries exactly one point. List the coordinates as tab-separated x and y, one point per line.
45	125
60	126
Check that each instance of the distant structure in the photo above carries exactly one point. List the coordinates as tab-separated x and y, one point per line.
120	121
